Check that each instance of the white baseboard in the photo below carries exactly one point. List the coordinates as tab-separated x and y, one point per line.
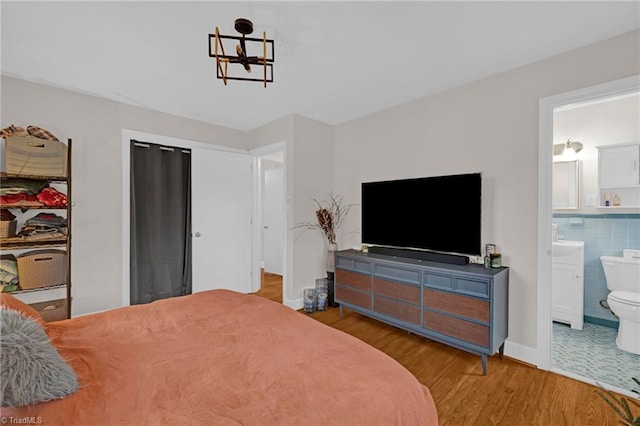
294	304
520	352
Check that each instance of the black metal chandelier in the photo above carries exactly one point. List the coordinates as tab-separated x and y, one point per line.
250	54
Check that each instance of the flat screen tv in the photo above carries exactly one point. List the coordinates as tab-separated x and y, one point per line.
440	213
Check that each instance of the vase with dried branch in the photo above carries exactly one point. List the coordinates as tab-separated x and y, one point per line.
329	217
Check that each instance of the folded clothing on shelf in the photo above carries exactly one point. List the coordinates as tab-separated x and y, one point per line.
20	200
43	226
51	197
41	133
30	193
8	273
13	131
20	186
21	192
35	131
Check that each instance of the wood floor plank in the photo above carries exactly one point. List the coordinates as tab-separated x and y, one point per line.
511	394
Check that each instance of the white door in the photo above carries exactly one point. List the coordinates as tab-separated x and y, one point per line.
273	219
221	207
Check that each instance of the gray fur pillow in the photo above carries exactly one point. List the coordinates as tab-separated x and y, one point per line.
31	370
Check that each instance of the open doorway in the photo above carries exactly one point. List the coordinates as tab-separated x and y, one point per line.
565	117
271	224
590	350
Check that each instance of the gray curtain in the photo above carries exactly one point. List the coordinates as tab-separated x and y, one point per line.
160	222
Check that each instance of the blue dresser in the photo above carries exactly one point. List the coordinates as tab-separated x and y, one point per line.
464	306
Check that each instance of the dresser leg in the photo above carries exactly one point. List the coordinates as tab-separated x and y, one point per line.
484	364
501	351
341	311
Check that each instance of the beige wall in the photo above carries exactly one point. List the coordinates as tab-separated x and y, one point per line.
308	174
488	126
313	171
95	125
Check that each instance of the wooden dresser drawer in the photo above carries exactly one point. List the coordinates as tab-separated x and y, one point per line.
405	292
395	273
460	305
467	331
353	264
437	280
399	310
353	279
51	310
475	287
355	297
459	284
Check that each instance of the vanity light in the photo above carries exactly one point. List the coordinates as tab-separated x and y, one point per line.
561	148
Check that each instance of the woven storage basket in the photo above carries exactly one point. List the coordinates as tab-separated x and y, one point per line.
28	155
52	310
8	228
42	268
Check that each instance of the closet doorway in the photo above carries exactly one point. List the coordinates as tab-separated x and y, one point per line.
160	265
221	214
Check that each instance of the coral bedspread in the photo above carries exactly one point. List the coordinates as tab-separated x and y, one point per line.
220	357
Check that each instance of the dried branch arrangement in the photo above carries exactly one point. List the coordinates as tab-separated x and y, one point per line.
329	216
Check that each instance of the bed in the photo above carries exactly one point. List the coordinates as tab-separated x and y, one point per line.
221	357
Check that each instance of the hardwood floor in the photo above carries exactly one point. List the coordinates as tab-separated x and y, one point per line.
511	394
271	287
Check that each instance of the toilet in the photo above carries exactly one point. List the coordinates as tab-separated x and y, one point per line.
623	279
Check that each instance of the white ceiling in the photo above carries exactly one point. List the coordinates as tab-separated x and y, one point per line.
335	61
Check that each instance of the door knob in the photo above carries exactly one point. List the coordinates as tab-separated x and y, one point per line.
197	234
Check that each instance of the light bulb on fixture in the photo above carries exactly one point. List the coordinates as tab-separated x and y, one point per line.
568	147
575	146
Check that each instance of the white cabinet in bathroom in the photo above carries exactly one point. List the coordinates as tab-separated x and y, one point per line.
619	174
567	283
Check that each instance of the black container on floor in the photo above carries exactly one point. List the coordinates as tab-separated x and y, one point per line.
331	300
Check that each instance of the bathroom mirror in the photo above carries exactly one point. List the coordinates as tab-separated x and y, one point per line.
566	188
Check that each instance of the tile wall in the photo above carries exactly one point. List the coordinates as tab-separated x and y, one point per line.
603	235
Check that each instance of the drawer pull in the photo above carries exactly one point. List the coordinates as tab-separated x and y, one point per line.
49	308
38	259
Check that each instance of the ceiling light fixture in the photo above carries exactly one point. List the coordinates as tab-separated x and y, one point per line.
559	148
251	53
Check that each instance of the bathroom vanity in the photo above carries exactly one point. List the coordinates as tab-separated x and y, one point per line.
567	283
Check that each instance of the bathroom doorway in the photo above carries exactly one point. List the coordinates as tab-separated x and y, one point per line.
591	117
